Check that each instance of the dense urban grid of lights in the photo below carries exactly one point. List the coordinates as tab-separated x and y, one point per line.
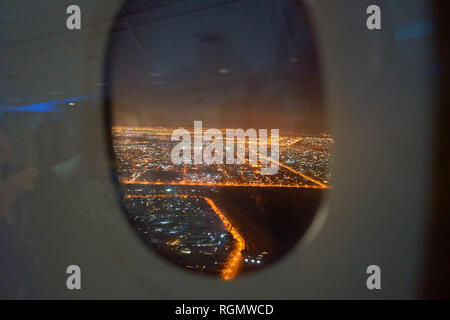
182	226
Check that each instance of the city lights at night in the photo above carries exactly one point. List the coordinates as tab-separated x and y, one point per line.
172	206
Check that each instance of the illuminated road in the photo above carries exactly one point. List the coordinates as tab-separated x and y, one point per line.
232	264
323	186
221	184
294	142
320	184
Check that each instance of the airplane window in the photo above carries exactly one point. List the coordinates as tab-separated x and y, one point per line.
218	128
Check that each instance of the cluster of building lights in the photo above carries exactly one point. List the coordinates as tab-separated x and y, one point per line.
176	225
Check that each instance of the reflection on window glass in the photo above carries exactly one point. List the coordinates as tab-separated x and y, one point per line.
218	129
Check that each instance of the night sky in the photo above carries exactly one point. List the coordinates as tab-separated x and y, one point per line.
244	63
